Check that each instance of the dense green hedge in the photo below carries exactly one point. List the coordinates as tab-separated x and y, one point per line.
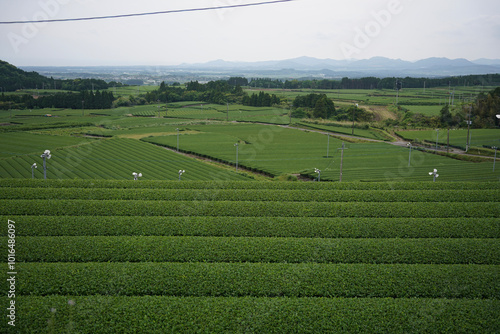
247	209
243	249
334	195
261	257
260	280
130	184
312	227
153	314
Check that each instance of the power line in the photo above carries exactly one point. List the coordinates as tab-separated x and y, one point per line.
150	13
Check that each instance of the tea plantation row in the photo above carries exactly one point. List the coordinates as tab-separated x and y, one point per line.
253	249
261	280
248	208
100	256
267	195
203	185
298	227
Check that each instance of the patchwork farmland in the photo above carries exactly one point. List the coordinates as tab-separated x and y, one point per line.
104	256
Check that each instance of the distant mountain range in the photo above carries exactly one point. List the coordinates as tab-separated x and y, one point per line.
302	67
377	66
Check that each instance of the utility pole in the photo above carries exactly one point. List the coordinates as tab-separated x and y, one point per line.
495	158
448	142
177	139
328	146
341	160
409	157
468	130
437	138
236	155
353	110
449	93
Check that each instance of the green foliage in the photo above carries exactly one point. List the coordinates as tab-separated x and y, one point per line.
486	108
458	137
218	184
112	159
260	280
21	143
217	92
13	78
360	130
276	151
253	195
247	209
282	227
70	100
237	81
107	256
260	100
255	249
161	314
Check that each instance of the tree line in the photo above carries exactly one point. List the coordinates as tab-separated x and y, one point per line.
85	99
376	83
217	92
260	100
13	78
320	106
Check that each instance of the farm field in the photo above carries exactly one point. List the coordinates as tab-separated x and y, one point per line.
236	113
278	151
458	137
20	143
104	256
364	133
411	98
113	159
204	131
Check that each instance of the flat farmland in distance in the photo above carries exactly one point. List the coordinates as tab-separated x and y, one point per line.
425	110
278	151
429	102
458	137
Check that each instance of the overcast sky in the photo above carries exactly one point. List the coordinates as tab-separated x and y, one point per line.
336	29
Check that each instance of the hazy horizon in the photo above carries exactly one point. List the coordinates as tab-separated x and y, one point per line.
237	61
323	29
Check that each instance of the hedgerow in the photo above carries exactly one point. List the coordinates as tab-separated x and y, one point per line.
301	227
158	314
274	195
267	250
247	209
130	184
157	257
261	280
